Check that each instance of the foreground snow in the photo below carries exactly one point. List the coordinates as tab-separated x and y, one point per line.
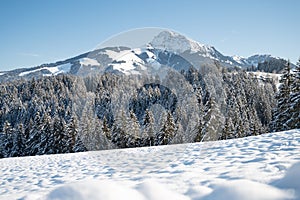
261	167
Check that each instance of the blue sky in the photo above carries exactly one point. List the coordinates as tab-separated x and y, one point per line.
34	32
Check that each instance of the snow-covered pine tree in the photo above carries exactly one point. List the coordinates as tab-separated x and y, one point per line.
255	124
34	139
133	129
280	113
228	129
199	131
105	129
8	139
148	125
18	141
59	130
46	135
100	140
294	100
71	133
213	121
119	131
86	124
167	132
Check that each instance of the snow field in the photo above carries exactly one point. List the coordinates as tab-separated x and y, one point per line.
258	167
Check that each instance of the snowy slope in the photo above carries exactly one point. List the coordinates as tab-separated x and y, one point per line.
128	62
89	62
65	68
256	167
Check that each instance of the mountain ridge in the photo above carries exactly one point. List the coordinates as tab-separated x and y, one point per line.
126	60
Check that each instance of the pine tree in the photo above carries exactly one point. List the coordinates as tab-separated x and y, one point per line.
294	100
46	135
119	134
71	134
133	128
148	124
280	114
18	141
8	139
59	129
213	123
33	142
167	132
199	131
87	124
228	129
106	129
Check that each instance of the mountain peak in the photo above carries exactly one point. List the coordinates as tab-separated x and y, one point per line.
175	42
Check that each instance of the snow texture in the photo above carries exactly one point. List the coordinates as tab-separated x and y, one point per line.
89	62
257	167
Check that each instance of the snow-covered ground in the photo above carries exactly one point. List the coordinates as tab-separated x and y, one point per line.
259	167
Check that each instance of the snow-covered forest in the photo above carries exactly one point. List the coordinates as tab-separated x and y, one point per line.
65	113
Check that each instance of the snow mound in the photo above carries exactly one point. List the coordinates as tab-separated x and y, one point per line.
108	190
154	190
94	190
291	180
247	190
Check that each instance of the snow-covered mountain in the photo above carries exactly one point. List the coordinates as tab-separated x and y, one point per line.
177	43
167	48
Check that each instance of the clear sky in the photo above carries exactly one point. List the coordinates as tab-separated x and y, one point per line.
34	32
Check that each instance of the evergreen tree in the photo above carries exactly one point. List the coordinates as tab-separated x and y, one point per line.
133	137
148	124
8	139
228	129
213	123
199	131
46	135
19	141
119	134
167	132
59	132
33	142
294	100
280	114
71	134
105	128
